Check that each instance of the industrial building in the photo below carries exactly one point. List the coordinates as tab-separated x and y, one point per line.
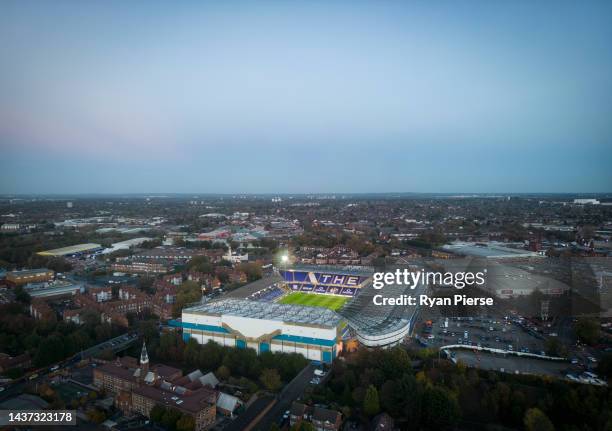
265	326
72	250
26	276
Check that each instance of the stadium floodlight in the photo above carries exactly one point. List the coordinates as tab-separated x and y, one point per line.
284	258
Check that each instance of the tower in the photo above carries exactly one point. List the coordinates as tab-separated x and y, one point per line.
144	361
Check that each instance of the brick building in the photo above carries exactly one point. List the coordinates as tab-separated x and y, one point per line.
139	388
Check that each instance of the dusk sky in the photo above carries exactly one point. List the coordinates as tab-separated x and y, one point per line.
305	96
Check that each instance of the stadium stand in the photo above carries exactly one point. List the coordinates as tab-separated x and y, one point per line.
380	325
336	282
269	294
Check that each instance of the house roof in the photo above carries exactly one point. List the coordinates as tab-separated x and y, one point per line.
227	402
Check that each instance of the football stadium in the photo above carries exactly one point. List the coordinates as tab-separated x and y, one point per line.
307	310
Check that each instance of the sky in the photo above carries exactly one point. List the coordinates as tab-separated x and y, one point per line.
305	96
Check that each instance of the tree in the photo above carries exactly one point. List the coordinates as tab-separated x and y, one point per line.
587	330
96	416
21	295
303	426
536	420
395	362
188	292
185	423
271	379
157	412
170	418
252	271
223	372
554	347
440	408
605	366
371	404
200	264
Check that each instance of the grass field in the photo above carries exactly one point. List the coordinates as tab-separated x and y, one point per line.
313	300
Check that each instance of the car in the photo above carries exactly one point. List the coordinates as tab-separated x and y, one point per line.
510	347
574	361
592	359
319	373
54	368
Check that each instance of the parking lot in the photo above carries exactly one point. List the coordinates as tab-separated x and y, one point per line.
511	364
484	331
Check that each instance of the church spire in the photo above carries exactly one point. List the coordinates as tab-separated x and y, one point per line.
144	357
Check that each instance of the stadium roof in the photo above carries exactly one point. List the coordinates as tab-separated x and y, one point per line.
269	310
332	269
79	248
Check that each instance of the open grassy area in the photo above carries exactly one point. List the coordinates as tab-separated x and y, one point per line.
314	300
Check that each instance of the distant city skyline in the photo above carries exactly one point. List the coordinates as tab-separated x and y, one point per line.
305	97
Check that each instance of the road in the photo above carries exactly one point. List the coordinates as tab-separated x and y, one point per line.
289	394
117	344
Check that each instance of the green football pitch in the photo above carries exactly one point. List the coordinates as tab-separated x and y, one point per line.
314	300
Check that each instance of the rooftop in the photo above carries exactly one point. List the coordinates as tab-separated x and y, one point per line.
78	248
192	402
489	250
25	272
268	310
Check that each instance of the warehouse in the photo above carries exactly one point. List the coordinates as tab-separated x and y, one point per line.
26	276
265	326
72	250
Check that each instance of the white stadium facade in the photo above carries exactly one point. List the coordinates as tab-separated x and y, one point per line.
265	326
261	323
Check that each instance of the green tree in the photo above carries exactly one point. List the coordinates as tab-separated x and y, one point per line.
170	418
252	271
200	264
440	408
21	295
223	372
96	416
185	423
371	404
536	420
157	413
188	292
303	426
270	379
